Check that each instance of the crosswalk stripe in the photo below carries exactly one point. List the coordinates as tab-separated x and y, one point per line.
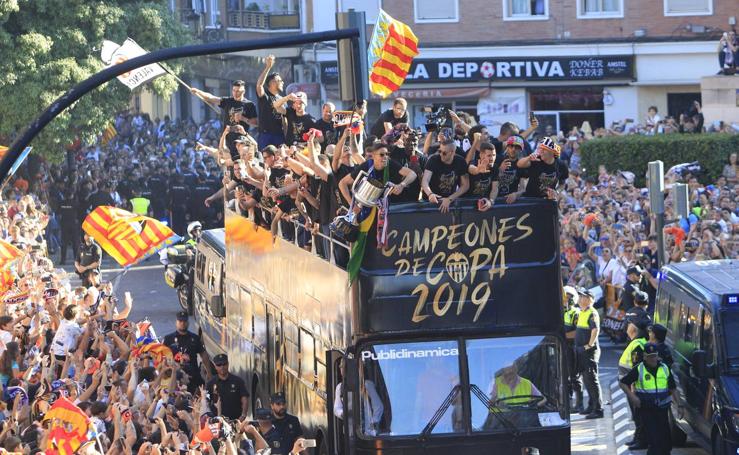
620	402
621	449
619	413
622	423
623	435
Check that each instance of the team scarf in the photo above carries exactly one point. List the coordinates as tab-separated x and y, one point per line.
365	218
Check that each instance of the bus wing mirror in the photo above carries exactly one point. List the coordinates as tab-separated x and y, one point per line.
351	373
698	361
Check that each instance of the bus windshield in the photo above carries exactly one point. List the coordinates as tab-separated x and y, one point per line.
411	387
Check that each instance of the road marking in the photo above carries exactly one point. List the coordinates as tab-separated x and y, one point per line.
620	402
619	413
622	423
621	449
623	436
140	267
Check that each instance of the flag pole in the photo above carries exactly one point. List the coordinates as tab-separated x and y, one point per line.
189	89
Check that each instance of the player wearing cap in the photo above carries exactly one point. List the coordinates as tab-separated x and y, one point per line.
633	354
186	346
545	171
229	389
587	329
298	121
287	425
651	388
509	175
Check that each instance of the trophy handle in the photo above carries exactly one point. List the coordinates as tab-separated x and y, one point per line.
356	180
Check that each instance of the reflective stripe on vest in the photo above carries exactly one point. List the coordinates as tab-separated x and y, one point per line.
583	319
652	388
626	357
140	205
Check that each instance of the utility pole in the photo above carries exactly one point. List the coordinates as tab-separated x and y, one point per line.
656	177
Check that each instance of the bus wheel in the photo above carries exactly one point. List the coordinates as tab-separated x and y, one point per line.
718	445
677	435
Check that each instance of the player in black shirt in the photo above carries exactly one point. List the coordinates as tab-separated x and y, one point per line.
269	87
298	121
390	118
546	172
484	177
445	177
235	109
329	133
509	175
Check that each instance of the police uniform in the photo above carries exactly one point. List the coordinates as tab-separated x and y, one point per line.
654	388
230	391
588	359
633	355
70	227
179	197
288	427
89	254
190	344
575	381
158	186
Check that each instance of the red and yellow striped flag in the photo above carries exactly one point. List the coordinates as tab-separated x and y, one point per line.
108	135
8	253
127	237
391	52
70	428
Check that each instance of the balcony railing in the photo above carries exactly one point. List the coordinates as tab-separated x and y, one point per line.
280	20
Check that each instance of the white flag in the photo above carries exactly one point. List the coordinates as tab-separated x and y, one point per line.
113	54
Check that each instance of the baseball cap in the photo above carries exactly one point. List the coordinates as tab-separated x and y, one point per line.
220	359
182	316
302	97
660	331
238	82
277	398
641	297
651	349
515	140
639	321
635	270
262	414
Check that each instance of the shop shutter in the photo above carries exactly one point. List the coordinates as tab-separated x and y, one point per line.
687	6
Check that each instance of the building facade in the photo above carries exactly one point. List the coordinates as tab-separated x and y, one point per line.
568	61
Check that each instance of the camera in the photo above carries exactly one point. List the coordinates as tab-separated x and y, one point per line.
435	120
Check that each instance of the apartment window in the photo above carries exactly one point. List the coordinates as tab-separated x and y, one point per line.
371	8
600	9
213	13
436	10
688	7
525	10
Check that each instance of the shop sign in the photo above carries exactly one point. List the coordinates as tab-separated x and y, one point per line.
330	72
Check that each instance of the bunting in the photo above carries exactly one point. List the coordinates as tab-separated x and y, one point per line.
391	52
127	237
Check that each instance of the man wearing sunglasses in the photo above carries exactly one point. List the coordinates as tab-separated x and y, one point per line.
400	177
446	176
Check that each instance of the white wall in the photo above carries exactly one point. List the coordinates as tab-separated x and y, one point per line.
324	15
625	105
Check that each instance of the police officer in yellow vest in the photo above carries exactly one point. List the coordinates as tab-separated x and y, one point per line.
651	388
139	204
569	302
587	329
636	330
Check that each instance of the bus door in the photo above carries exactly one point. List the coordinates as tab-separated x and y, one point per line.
275	351
338	427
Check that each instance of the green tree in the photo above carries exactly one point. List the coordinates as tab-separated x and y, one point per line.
48	46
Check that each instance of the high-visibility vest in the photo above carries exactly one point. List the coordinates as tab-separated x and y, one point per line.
626	360
140	205
654	389
523	389
569	318
583	318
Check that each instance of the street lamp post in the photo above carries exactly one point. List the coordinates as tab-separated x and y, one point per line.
656	177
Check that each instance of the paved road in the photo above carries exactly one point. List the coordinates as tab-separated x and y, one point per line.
608	436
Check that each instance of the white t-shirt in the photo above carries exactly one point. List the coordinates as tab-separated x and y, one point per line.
5	338
65	337
612	267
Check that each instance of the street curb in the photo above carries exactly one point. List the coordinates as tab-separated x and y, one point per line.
623	426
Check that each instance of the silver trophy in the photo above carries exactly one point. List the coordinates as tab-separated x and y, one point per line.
367	193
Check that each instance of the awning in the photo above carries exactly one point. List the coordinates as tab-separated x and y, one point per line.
438	93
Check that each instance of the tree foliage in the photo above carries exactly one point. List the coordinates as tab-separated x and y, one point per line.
634	152
48	46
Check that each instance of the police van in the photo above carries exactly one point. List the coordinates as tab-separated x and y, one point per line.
698	303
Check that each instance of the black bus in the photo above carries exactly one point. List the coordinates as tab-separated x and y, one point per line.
450	338
698	302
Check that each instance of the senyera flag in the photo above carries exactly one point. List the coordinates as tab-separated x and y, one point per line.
127	237
8	254
391	52
113	54
70	428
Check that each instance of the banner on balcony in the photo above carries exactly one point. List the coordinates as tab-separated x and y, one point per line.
391	53
113	54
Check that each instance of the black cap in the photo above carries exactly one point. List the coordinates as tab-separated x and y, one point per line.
651	349
238	82
635	270
639	321
182	316
262	414
277	398
220	359
641	297
660	332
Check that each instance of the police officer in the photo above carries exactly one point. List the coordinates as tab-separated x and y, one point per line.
194	231
230	390
186	346
570	299
287	425
587	329
179	197
140	205
200	192
651	388
639	310
633	275
657	334
158	186
269	432
70	225
88	260
633	354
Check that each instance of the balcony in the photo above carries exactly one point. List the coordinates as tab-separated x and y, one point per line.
255	17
